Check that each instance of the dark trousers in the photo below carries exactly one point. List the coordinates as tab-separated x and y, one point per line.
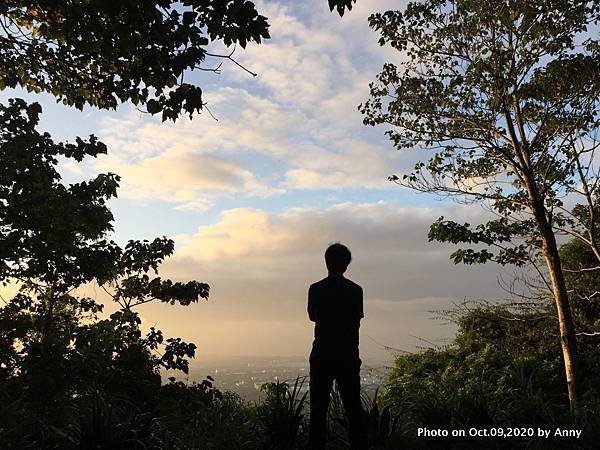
345	370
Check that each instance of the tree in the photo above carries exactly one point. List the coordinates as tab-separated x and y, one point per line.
103	53
53	240
504	97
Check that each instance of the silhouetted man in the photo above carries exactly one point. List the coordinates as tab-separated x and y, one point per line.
335	304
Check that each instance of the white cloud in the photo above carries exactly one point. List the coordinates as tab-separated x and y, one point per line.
350	163
239	233
299	116
183	178
259	266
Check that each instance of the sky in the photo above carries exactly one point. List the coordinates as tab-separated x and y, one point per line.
255	194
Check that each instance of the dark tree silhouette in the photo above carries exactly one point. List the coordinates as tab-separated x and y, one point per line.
105	53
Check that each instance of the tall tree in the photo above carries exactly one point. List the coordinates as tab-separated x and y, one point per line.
504	99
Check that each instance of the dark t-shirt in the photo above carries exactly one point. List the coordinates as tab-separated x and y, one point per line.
335	304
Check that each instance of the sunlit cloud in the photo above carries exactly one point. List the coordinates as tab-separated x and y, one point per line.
259	266
239	232
389	244
183	178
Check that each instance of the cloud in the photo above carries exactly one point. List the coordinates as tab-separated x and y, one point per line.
257	150
350	163
259	266
381	227
183	178
314	55
239	233
389	244
194	163
293	128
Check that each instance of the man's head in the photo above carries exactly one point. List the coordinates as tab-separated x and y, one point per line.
337	258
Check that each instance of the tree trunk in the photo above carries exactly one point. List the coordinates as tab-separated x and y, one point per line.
566	326
568	339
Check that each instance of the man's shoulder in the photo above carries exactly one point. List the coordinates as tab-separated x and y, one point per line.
353	285
326	284
318	284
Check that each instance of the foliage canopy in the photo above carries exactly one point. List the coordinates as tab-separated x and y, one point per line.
54	240
104	53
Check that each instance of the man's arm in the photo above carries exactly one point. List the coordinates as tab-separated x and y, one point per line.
312	306
360	304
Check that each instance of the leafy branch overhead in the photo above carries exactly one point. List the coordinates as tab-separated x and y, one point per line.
106	53
341	5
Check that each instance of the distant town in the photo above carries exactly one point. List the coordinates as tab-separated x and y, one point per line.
246	374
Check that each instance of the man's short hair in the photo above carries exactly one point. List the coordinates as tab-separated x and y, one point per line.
337	258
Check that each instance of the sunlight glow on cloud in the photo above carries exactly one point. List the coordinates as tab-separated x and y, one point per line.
240	232
389	244
183	178
260	264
